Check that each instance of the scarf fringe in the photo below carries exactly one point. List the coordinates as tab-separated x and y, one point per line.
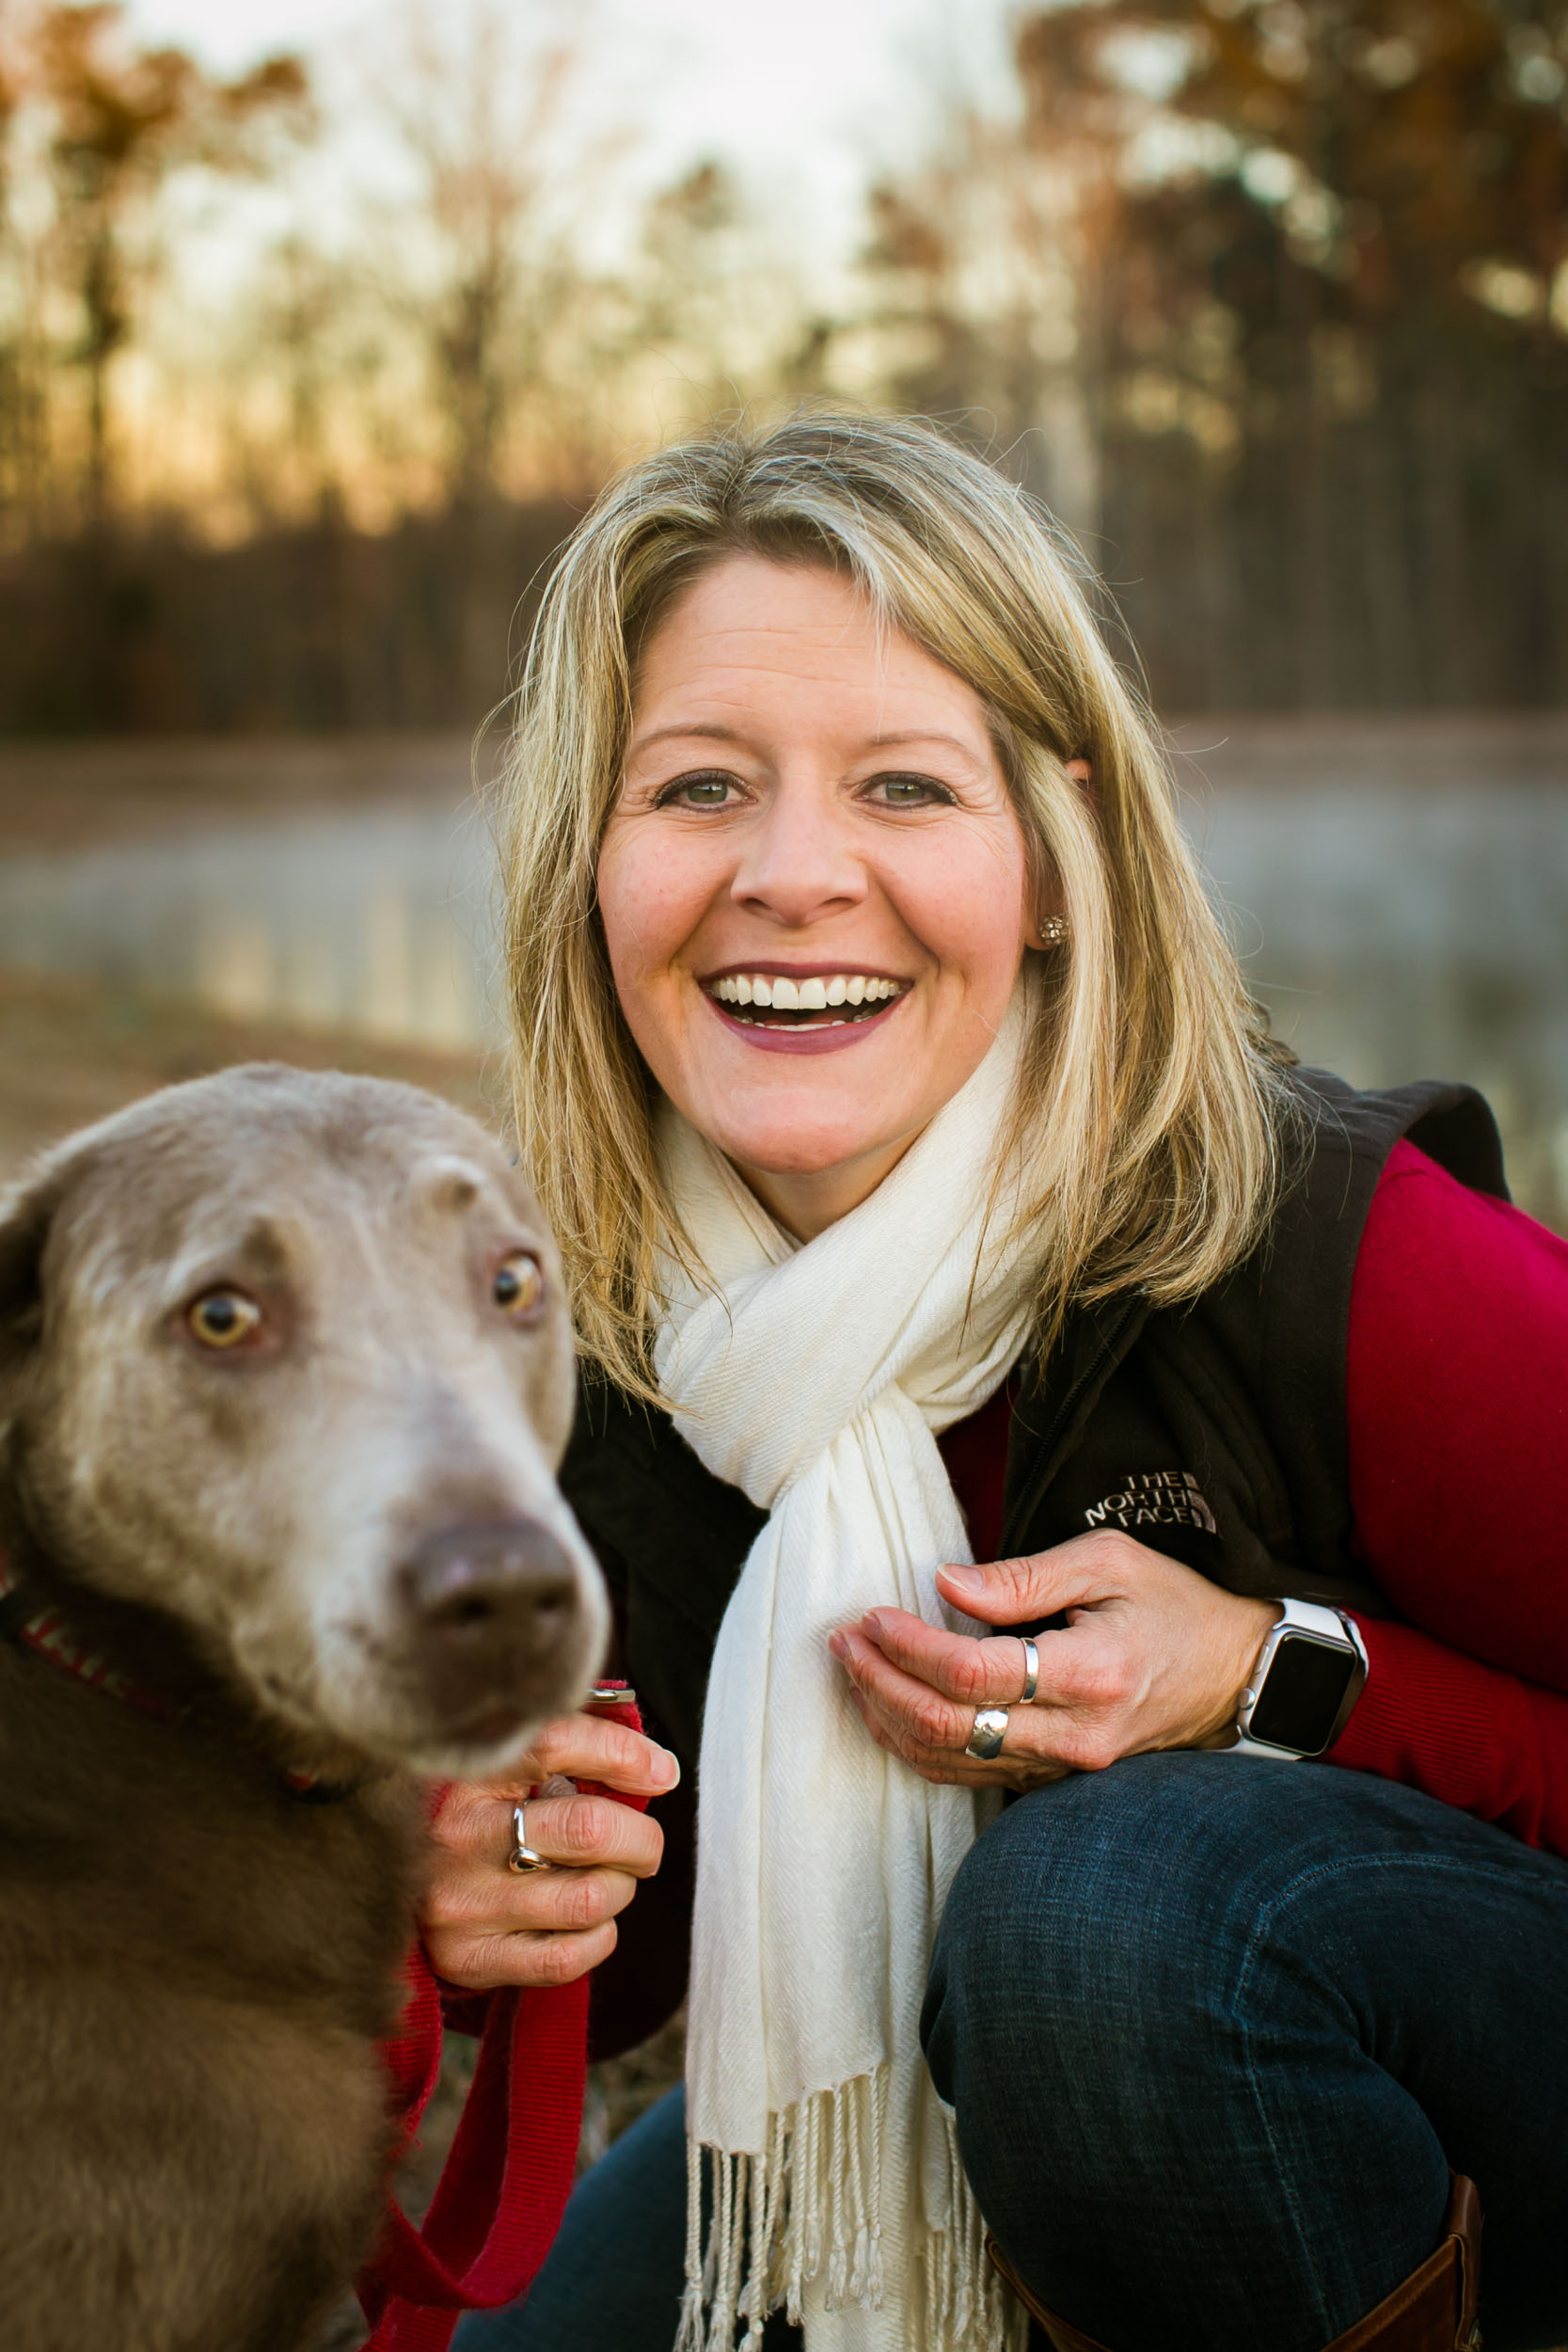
964	2292
812	2204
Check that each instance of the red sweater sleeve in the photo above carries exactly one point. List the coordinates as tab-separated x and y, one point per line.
1457	1406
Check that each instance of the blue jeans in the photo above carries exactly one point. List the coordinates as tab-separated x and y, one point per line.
1214	2031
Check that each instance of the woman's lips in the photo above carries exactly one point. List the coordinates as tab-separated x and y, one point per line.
822	1033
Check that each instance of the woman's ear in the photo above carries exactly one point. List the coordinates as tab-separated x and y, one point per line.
1049	927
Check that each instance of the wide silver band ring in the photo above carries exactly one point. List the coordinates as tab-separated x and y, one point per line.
522	1856
1031	1671
990	1729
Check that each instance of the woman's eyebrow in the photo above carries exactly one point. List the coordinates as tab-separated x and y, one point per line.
919	735
710	732
713	731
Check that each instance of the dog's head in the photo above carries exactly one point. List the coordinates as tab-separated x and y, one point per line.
285	1357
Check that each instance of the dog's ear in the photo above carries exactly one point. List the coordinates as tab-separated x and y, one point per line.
28	1211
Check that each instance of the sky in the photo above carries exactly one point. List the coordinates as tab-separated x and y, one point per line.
807	97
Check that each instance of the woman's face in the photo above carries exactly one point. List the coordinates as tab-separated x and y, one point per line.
813	884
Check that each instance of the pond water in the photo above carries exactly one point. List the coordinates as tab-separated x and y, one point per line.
1394	938
1398	919
378	920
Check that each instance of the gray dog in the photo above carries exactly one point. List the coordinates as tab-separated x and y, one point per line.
285	1374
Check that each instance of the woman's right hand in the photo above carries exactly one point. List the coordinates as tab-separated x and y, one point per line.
484	1924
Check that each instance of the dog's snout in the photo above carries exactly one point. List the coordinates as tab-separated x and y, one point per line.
493	1623
510	1580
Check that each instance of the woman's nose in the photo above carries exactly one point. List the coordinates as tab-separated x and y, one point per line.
797	860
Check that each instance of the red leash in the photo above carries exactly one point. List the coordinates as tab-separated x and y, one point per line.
505	2183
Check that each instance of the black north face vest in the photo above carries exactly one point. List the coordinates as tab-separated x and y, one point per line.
1214	1431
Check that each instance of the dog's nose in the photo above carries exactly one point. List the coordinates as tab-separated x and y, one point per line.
489	1605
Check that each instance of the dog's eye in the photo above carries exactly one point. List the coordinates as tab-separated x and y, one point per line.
518	1285
223	1318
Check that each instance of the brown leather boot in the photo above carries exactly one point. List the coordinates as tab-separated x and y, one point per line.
1060	2332
1432	2310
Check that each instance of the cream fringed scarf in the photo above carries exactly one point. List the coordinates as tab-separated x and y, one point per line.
817	1380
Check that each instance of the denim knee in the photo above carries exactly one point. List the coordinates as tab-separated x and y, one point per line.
1101	1933
1118	1909
1087	1928
1215	2030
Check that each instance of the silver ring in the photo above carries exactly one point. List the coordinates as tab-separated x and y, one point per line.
990	1729
1031	1670
522	1856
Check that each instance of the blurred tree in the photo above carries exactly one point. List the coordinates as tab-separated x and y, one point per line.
12	365
1319	262
1404	158
977	315
23	358
483	101
712	307
684	229
480	272
300	298
123	119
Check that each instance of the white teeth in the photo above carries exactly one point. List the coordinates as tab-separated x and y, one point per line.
813	995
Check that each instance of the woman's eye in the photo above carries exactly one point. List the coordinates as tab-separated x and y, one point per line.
901	792
517	1285
223	1318
704	791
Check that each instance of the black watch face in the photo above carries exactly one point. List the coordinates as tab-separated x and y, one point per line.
1301	1691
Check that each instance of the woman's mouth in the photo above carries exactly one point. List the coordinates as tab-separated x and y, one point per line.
828	1000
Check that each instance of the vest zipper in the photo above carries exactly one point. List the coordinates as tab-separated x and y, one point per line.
1019	1517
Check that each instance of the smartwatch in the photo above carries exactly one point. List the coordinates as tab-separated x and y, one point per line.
1310	1674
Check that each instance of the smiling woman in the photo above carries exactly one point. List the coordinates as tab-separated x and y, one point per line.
860	691
718	881
994	1363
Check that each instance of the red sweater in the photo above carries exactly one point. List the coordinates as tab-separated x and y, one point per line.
1457	1406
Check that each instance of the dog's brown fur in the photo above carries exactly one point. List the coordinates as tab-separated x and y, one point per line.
194	1964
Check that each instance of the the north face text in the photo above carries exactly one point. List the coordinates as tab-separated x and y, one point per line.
1154	1499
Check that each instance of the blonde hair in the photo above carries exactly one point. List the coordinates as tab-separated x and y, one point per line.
1152	1101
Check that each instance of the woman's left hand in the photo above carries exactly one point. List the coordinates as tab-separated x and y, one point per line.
1152	1656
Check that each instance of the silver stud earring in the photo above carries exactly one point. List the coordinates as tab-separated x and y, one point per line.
1053	930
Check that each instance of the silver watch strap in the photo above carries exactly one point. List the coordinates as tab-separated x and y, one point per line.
1313	1616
